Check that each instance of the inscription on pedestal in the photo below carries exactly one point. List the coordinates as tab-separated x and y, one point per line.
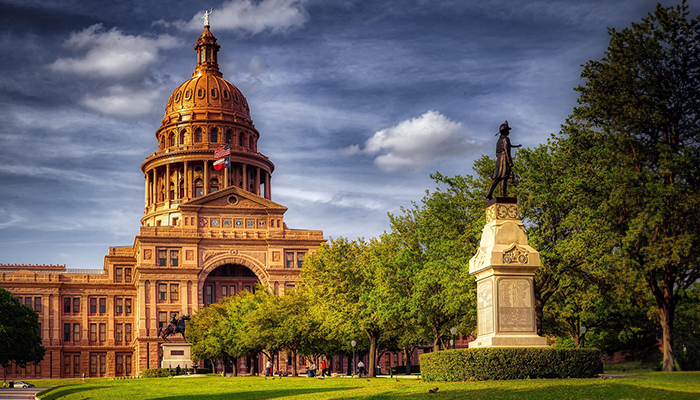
485	307
515	311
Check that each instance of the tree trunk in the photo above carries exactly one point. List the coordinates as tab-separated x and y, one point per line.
407	359
349	368
373	340
294	361
667	341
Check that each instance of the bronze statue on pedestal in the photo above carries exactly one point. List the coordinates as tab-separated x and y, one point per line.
504	162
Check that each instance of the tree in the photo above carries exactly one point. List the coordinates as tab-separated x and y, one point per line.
347	280
635	137
20	342
205	332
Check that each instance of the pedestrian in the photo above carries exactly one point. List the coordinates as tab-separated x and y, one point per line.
177	370
268	369
361	368
312	368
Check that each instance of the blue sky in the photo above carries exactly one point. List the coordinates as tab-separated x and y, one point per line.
356	102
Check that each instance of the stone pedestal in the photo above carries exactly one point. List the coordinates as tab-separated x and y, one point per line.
504	267
175	354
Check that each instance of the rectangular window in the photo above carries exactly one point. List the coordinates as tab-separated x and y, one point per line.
174	292
247	287
162	319
66	333
162	291
37	369
76	365
118	274
66	365
93	333
93	365
208	295
76	305
290	259
118	305
127	274
118	332
103	332
300	259
127	364
76	332
162	258
27	302
120	364
93	306
103	305
103	364
224	291
174	255
66	305
37	305
127	306
127	332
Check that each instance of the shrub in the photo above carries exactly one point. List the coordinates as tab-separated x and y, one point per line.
401	369
203	371
500	363
156	373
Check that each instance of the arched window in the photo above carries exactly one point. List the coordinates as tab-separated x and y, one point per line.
228	136
198	135
171	140
214	135
182	137
198	188
213	185
251	143
181	188
240	139
161	143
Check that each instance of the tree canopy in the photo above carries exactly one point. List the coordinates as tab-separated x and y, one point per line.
20	342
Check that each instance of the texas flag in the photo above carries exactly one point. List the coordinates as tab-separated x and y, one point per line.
221	163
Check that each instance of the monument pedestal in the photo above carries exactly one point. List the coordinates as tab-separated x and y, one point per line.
175	354
504	267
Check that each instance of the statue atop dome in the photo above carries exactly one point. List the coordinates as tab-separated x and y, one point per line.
206	15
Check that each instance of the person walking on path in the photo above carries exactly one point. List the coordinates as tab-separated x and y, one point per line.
268	369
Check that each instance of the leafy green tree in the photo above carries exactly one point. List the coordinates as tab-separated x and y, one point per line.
205	332
346	280
635	137
20	342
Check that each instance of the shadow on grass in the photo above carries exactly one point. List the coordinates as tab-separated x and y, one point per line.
254	394
62	391
613	391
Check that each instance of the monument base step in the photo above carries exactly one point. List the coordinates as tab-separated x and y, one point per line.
509	341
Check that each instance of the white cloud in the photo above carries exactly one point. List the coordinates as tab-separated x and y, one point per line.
123	101
111	54
251	16
415	143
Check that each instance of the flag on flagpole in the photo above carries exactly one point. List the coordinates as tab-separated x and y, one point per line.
222	151
221	163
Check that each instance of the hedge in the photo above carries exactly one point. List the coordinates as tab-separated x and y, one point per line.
501	363
156	373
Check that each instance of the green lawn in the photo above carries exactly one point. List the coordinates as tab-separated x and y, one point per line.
653	385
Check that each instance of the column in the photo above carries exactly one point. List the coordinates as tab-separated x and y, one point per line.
268	189
245	177
187	180
145	191
167	182
154	195
206	177
257	181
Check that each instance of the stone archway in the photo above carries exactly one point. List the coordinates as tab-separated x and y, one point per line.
233	260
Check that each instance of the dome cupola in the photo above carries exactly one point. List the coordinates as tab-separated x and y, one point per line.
203	114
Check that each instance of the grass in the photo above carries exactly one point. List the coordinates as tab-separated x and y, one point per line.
648	385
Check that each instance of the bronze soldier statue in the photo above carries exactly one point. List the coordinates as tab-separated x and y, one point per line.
504	162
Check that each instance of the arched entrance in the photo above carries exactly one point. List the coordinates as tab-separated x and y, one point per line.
227	280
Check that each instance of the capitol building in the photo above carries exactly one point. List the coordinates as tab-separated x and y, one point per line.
209	230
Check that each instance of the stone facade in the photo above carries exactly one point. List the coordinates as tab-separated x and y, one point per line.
206	233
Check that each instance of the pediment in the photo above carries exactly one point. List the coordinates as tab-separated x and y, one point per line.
234	198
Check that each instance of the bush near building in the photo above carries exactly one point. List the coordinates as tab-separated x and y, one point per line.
510	363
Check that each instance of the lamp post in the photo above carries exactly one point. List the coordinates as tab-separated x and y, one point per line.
453	331
353	343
